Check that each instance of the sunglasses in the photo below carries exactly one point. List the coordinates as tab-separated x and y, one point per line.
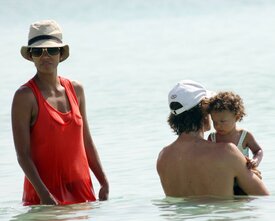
37	52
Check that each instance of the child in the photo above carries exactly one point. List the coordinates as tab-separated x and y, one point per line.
226	108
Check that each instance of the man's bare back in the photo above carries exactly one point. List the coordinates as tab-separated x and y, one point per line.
192	166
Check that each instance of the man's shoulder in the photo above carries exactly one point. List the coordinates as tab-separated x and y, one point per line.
223	146
204	146
221	151
163	152
231	153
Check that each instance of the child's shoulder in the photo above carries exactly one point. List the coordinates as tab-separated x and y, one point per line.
245	132
247	136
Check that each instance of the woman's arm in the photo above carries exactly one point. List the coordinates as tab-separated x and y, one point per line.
91	151
22	115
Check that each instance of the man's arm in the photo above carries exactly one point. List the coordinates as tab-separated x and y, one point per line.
247	180
22	108
91	152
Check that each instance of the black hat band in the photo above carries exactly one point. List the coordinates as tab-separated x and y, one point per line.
43	37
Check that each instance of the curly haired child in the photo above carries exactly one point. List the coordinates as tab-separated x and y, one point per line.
226	109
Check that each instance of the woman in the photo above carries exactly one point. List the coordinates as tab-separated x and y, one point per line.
51	134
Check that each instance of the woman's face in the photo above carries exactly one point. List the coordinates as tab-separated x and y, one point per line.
46	63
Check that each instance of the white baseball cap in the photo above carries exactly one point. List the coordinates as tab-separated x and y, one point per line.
188	93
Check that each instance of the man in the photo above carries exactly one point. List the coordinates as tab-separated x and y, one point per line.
51	134
192	166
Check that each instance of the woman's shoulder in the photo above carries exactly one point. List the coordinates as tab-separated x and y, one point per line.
77	86
23	98
24	92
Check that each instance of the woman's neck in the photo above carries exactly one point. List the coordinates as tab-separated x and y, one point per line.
47	81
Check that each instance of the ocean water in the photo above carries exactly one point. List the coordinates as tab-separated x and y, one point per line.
128	54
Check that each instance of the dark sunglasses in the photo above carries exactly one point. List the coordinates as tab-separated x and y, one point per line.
37	52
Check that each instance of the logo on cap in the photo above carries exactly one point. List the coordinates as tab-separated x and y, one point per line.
173	96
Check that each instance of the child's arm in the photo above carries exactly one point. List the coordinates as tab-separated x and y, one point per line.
256	150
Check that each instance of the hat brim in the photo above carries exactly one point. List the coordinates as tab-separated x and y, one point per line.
45	44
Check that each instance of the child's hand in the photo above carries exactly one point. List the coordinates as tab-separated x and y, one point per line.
251	163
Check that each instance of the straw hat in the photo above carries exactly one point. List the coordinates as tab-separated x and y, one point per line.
45	34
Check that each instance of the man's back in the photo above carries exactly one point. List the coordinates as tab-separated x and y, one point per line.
192	166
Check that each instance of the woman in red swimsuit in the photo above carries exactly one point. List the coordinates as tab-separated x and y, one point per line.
51	134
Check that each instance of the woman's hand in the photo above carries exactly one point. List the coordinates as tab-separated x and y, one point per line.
48	200
104	192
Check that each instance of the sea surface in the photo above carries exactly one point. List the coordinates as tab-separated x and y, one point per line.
128	54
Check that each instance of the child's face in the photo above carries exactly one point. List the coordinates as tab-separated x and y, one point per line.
224	121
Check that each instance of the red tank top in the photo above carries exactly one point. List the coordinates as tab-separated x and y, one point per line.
58	152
